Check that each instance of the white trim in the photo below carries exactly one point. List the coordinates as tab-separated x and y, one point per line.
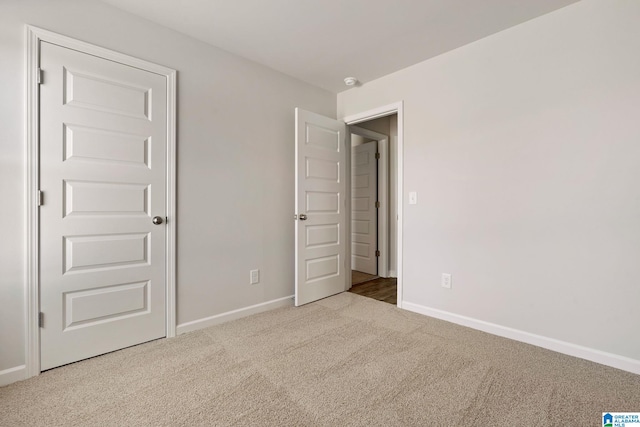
383	195
12	375
171	208
34	36
384	211
373	114
70	43
348	258
235	314
598	356
387	110
32	120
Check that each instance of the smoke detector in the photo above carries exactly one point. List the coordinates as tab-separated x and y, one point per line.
350	81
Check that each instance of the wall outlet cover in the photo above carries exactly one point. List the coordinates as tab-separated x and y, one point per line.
254	277
446	280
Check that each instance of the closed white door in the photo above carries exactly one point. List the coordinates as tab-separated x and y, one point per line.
364	216
103	175
320	231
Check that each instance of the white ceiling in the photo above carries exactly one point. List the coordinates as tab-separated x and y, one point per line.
324	41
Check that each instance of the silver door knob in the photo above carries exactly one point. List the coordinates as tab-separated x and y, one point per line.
157	220
302	217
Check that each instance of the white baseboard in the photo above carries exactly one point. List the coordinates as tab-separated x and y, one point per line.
234	314
604	358
393	273
12	375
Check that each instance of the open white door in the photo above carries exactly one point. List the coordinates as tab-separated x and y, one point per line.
364	200
321	207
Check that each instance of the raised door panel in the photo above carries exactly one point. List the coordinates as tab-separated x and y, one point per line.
90	144
105	198
105	304
99	91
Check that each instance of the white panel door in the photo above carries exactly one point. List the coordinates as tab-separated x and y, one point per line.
364	215
103	174
320	235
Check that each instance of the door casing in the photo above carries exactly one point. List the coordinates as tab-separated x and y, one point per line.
34	37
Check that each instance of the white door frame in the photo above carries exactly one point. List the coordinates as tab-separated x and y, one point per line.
34	36
387	110
383	196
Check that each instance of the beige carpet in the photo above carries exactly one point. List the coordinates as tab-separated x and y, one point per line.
343	361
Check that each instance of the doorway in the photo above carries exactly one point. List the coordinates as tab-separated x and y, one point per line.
374	223
322	216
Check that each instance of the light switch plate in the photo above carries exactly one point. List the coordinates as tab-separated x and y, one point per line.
413	198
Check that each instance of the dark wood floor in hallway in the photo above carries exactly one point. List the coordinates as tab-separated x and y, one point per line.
378	288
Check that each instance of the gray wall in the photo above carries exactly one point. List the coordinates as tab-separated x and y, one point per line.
524	148
235	161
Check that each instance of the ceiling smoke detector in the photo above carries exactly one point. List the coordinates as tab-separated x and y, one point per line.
350	81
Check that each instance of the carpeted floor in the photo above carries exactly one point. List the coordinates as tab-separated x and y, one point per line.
343	361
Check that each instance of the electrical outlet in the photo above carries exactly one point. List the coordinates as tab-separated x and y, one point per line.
445	282
254	277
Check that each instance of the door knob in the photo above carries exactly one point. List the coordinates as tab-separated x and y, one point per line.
302	217
157	220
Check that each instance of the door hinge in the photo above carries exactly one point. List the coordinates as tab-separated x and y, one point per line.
40	198
41	319
40	76
377	253
377	155
377	205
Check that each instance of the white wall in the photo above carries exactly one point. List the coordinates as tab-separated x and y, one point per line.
235	161
524	148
